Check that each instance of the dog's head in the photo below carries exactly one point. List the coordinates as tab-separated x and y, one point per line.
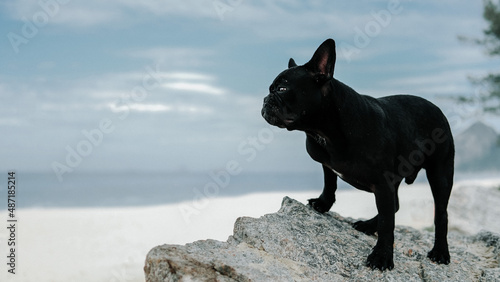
295	96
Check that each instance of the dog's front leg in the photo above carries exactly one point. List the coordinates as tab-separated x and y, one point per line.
382	254
327	198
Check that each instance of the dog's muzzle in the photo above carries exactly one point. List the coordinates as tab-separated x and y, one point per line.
276	112
271	109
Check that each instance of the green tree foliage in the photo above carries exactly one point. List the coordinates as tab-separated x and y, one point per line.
492	34
491	41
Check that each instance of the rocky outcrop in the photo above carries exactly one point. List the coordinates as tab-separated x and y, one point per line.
299	244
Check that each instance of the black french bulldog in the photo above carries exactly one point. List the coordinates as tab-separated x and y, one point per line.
372	144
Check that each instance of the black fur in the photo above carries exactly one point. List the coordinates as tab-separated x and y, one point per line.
373	144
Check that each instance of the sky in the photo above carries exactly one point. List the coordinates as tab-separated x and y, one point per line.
161	85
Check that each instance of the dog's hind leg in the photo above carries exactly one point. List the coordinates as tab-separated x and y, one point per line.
369	227
440	176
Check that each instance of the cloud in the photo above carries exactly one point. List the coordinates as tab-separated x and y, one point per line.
9	121
84	100
181	108
94	12
266	19
85	17
445	83
204	62
63	12
194	87
188	76
177	83
467	56
175	57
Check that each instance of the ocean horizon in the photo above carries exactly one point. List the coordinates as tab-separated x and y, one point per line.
128	188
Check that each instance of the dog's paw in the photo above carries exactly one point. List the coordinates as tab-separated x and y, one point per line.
439	256
319	205
369	227
380	258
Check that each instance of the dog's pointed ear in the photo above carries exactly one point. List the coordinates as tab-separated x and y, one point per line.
291	63
323	60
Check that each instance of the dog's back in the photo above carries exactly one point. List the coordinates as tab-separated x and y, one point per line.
422	121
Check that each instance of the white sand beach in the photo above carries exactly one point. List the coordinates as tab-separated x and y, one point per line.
110	244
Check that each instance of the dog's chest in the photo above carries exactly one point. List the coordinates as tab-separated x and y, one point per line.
320	140
336	159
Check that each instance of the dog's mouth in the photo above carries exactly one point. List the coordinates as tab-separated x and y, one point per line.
277	113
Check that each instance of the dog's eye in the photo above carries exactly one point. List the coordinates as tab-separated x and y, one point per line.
281	89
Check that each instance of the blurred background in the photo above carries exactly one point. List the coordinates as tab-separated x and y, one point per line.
136	123
135	103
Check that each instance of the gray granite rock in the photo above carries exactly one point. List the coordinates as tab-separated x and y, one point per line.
298	244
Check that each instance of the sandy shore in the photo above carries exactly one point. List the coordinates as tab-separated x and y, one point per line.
111	244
